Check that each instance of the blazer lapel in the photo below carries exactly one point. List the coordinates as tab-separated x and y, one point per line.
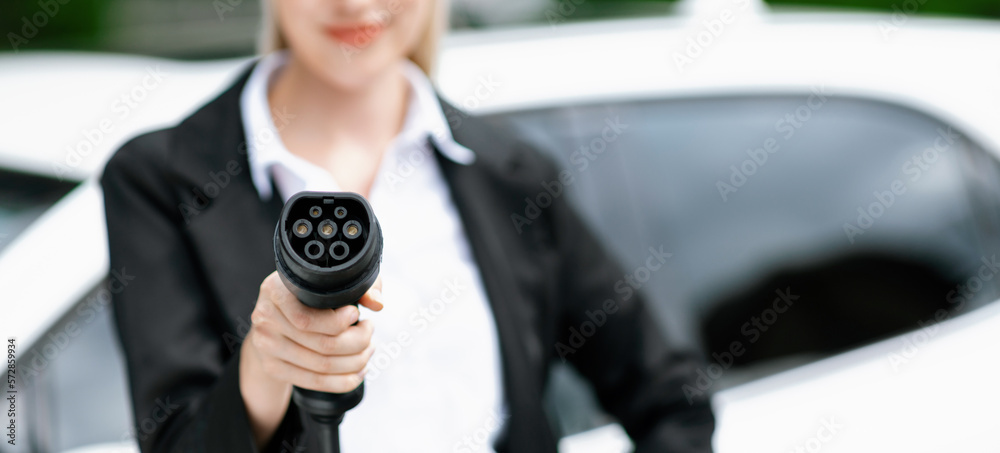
491	239
230	228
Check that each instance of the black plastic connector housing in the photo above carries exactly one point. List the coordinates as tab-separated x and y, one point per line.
331	268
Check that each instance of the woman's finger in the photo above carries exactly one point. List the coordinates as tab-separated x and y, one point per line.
308	359
333	383
372	299
351	341
318	320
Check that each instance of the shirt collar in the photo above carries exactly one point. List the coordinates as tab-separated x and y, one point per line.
424	121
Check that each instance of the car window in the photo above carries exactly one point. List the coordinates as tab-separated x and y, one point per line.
866	217
23	198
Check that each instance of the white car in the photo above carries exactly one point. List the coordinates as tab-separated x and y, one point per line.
828	185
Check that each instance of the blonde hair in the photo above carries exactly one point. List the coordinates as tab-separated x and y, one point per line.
424	55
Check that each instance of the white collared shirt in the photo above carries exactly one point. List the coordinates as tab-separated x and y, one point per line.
435	381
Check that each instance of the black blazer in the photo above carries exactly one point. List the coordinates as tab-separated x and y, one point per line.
185	220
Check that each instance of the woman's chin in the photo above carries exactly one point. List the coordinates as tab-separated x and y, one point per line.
360	72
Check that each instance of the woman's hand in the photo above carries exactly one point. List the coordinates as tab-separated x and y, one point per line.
292	344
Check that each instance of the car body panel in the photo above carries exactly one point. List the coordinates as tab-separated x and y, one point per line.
930	390
83	106
40	288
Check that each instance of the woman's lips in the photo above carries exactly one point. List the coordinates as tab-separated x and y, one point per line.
356	34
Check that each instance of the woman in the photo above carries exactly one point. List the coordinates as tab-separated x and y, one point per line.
475	308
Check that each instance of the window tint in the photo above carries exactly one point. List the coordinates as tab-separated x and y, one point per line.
870	212
23	198
756	196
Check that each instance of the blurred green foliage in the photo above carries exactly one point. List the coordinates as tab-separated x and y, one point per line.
42	24
973	8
